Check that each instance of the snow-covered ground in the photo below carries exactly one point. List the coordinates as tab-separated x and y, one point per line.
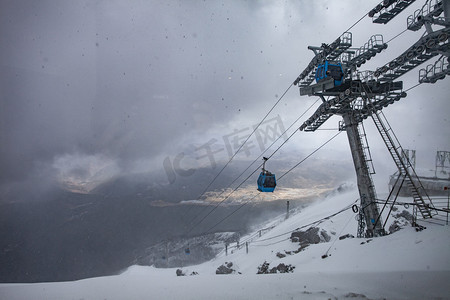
403	265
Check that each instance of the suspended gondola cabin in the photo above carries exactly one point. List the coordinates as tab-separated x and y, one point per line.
329	69
266	180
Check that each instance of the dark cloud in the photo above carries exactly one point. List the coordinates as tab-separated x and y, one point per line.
109	84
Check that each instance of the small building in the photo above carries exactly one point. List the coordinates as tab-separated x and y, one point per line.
435	182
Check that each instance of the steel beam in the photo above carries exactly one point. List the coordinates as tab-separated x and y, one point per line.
366	187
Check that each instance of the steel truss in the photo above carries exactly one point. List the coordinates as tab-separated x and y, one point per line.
365	94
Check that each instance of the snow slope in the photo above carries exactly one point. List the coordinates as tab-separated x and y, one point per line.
403	265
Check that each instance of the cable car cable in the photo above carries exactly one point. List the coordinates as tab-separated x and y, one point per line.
309	155
312	223
229	215
295	131
413	87
220	172
248	201
217	205
285	141
337	237
248	177
354	24
288	232
214	179
242	145
397	36
256	159
254	162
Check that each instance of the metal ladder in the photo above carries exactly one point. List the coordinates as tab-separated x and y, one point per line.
395	149
365	149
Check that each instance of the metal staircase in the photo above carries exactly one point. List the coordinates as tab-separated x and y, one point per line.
396	151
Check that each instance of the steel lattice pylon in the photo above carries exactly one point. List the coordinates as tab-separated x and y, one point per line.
366	94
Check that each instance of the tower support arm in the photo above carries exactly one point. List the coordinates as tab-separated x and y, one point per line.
425	48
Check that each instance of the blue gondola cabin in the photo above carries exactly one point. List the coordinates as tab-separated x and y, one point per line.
266	182
329	69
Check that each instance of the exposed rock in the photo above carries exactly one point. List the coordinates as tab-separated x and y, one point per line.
281	268
405	214
402	219
310	236
295	239
264	268
419	227
395	226
324	236
226	268
346	236
356	295
280	255
301	248
180	272
366	242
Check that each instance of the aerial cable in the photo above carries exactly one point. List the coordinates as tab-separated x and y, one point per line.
340	233
413	87
235	189
254	130
273	243
242	145
312	223
229	215
256	160
397	36
301	227
356	23
248	201
248	177
279	147
290	231
309	155
223	200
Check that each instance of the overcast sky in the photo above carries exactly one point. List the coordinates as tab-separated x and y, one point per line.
99	88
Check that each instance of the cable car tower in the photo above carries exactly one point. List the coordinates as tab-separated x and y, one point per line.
359	95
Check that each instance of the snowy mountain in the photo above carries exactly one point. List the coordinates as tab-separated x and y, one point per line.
315	249
70	236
